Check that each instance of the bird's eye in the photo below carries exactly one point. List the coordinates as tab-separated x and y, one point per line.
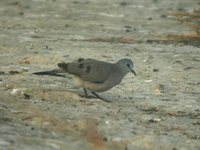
128	65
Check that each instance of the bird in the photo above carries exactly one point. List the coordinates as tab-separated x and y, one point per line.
94	75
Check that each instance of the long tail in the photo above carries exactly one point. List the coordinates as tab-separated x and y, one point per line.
55	72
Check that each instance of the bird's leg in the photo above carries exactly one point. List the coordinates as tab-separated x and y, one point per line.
86	94
97	96
85	91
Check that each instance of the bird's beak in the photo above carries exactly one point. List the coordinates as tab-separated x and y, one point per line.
133	71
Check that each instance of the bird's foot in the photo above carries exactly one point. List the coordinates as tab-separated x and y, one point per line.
95	95
88	96
99	97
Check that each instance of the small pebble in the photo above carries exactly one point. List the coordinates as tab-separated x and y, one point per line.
147	81
155	70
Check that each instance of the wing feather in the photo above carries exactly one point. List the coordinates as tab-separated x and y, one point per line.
90	70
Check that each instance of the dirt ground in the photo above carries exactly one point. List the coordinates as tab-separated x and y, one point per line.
157	110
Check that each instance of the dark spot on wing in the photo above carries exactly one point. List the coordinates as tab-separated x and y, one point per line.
80	65
63	65
88	69
80	59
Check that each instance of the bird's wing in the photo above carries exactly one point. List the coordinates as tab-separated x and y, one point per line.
89	69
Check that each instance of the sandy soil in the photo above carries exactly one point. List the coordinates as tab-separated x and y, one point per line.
157	110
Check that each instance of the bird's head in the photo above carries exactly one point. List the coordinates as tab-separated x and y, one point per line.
127	65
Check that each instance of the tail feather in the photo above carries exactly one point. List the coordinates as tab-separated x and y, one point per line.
50	73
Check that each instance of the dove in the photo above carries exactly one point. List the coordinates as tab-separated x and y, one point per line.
94	75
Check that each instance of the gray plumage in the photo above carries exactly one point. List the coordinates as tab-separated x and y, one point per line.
95	75
104	75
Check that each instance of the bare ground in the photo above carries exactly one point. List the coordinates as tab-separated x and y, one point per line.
157	110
